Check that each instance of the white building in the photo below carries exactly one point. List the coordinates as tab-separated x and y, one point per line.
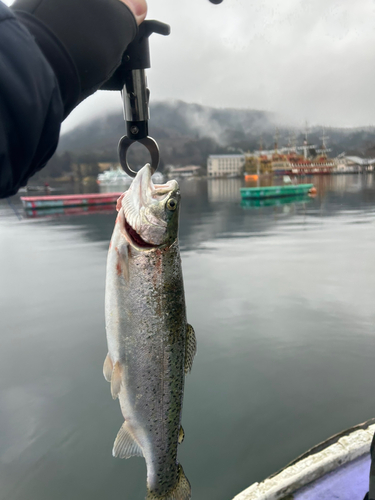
349	164
225	165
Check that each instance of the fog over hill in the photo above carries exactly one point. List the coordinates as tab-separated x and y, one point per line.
188	133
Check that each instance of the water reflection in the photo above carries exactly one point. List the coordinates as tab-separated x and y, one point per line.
68	211
281	298
223	190
213	208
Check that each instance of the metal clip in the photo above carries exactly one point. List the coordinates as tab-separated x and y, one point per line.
136	95
149	143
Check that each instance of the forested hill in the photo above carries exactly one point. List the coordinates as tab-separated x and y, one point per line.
188	133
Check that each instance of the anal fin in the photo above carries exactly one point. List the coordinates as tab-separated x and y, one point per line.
116	380
125	445
107	368
191	348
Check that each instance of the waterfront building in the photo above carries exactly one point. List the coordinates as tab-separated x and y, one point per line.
225	165
348	164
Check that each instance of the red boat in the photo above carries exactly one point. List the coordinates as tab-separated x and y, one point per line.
71	200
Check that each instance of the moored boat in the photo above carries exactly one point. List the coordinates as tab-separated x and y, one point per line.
275	191
307	159
251	177
157	178
114	176
118	177
72	200
336	469
275	201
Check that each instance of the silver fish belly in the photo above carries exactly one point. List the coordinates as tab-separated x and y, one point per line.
150	344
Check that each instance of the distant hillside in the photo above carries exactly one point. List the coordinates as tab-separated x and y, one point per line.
174	120
188	133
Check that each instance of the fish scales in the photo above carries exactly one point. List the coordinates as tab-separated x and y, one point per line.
152	346
148	337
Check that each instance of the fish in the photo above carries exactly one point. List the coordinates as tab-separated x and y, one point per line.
151	346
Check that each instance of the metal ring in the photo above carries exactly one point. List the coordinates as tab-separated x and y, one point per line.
149	143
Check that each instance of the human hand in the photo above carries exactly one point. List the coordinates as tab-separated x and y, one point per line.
95	34
138	8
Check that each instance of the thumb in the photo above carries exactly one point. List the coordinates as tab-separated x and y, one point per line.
138	8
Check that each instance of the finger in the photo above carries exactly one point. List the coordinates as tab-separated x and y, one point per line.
138	7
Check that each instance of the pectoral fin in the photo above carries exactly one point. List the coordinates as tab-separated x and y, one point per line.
125	445
107	368
116	380
181	435
191	348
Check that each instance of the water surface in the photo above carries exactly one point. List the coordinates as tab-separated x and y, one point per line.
282	301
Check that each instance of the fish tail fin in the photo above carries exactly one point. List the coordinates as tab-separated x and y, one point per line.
182	490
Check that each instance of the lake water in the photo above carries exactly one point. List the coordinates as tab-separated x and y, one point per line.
282	302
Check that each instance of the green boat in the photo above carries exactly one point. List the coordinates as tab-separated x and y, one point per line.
275	191
273	202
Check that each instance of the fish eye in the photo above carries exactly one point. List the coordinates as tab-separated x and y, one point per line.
171	204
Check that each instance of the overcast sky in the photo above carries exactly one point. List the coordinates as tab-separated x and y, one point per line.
310	60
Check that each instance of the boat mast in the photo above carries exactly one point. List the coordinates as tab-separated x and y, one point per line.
305	142
277	137
324	150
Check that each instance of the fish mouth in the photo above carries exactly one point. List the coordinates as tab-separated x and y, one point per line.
135	239
132	216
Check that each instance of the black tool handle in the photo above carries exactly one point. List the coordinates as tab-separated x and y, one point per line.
137	55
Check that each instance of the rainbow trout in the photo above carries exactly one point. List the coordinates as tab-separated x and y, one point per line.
150	345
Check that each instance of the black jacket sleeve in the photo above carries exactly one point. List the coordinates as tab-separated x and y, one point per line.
53	54
31	108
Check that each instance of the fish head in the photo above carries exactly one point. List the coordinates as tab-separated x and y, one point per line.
150	212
